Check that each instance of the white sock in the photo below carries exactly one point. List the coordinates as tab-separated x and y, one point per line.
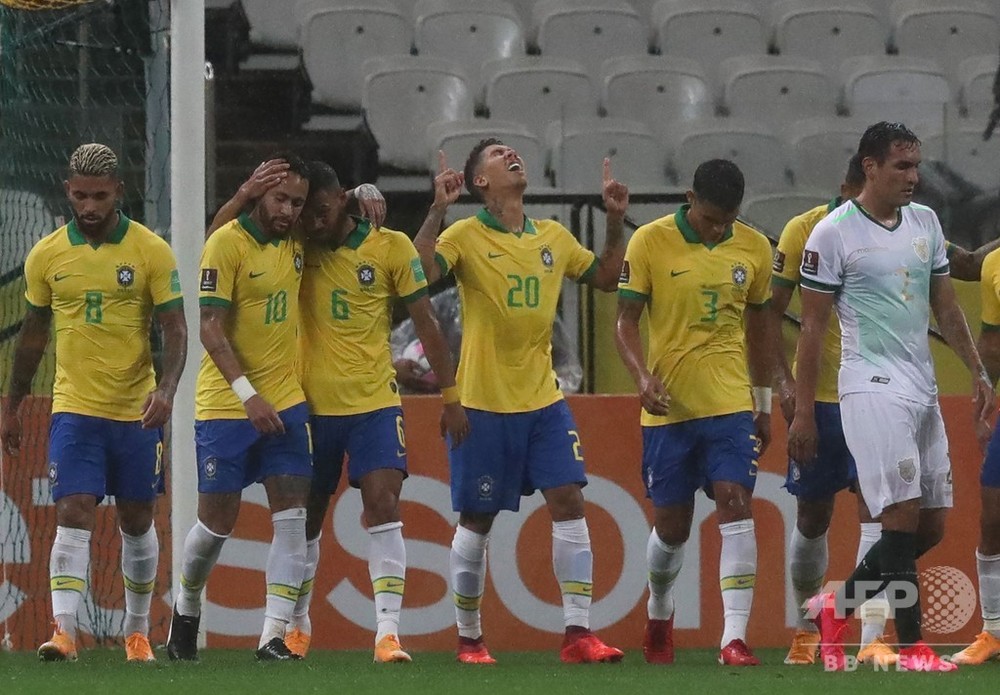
286	563
664	564
808	559
989	591
140	555
737	576
68	568
468	579
300	616
387	569
875	611
573	563
201	550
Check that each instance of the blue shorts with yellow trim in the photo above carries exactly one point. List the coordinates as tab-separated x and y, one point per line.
233	455
96	456
833	470
507	455
679	458
371	441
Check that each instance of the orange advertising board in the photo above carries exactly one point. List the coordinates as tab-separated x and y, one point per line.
521	608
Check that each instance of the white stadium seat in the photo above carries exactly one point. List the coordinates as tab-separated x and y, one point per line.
457	138
771	211
976	76
708	31
945	31
896	88
590	31
827	30
776	89
821	149
755	148
579	146
964	150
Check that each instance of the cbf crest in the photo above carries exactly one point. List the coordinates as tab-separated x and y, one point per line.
548	260
740	275
297	262
125	275
922	249
366	276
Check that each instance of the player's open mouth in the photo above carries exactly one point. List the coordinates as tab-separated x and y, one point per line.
515	166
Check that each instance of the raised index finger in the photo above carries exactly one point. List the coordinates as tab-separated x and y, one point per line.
607	169
442	163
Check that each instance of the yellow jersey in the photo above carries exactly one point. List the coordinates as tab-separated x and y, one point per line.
787	261
346	318
257	279
102	300
509	287
696	295
989	289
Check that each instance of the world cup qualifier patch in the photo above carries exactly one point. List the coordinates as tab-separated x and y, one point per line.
778	265
626	273
209	280
810	262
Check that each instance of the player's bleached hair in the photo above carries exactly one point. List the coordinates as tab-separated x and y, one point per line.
93	159
472	164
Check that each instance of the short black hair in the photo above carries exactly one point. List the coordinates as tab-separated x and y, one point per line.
322	177
879	138
296	165
472	162
719	182
855	176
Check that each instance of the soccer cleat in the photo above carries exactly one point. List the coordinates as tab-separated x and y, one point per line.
389	651
182	640
658	641
832	630
137	648
878	652
297	642
985	647
473	651
737	653
276	650
61	647
920	657
805	646
584	647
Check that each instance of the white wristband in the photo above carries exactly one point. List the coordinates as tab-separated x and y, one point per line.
243	389
762	399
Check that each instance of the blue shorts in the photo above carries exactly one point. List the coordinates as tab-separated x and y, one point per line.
989	476
232	454
507	455
371	441
96	456
833	470
678	459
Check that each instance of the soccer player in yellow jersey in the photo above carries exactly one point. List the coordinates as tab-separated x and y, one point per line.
510	270
251	420
103	277
705	280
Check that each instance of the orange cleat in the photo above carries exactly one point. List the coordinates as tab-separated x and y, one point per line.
804	647
137	648
61	647
920	657
584	647
879	653
737	653
832	630
658	642
389	651
473	651
297	642
985	647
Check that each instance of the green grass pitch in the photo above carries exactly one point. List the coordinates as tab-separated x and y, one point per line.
230	671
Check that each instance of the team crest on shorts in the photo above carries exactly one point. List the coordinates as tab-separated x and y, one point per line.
739	275
211	467
907	470
126	275
297	262
53	472
366	275
548	260
485	486
922	248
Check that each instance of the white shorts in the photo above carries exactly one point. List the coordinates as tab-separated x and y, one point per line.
900	449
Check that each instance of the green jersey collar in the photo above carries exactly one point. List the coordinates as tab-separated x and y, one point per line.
76	237
688	232
360	232
253	230
487	218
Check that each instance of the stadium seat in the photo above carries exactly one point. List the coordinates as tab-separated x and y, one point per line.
579	146
468	31
776	89
964	150
756	149
945	31
338	38
590	31
770	212
457	138
272	24
975	85
538	90
827	30
708	31
402	94
660	91
821	148
897	88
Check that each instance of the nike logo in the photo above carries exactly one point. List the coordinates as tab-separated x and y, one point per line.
394	585
400	454
59	277
496	255
675	273
256	275
60	583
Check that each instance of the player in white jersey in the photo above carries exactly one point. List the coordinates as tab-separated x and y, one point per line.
882	261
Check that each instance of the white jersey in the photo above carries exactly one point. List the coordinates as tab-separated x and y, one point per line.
881	279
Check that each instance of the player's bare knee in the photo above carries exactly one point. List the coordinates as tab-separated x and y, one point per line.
286	492
135	518
732	502
477	523
76	511
813	517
